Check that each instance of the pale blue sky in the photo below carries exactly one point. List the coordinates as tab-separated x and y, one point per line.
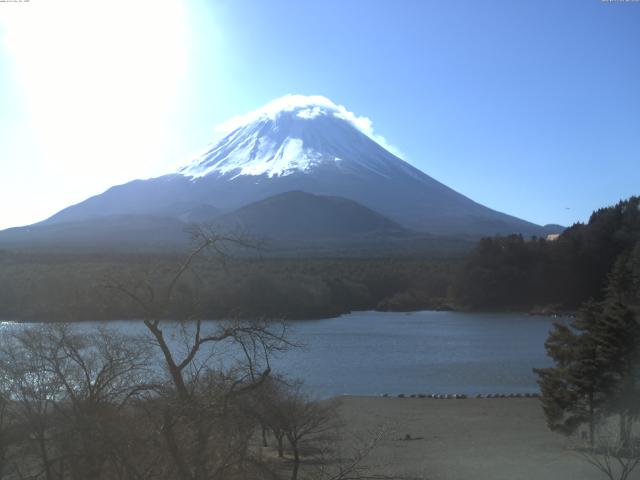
529	107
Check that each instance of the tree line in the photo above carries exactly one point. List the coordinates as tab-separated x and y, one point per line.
511	272
40	287
503	272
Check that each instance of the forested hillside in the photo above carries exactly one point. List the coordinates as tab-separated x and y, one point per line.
503	273
74	287
511	272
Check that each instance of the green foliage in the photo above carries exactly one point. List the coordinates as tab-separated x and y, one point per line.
597	357
575	390
511	272
75	287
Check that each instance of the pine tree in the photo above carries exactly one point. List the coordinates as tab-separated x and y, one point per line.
618	336
597	358
574	392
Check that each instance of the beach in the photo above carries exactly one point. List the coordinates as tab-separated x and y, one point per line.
451	439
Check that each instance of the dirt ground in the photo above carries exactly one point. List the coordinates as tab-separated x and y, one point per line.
456	439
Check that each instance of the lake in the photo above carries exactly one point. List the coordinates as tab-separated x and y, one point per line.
372	353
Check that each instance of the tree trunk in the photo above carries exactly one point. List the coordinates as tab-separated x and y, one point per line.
45	458
296	461
592	425
625	430
174	370
280	439
201	451
172	446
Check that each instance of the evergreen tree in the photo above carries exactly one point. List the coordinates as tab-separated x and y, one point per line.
597	358
574	392
618	336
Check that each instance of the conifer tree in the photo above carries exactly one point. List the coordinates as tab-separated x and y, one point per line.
574	391
618	335
597	358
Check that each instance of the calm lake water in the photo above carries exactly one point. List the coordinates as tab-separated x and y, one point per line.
371	353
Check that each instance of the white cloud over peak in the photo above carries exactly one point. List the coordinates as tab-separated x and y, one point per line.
307	107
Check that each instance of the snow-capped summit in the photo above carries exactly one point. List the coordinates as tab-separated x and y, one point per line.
292	134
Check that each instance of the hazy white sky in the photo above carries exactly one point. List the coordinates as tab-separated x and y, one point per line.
91	91
530	108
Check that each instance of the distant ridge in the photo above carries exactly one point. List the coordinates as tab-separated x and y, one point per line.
300	215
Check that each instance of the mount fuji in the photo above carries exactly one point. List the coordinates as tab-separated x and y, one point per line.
295	143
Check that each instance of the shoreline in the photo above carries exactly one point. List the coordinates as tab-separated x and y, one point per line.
529	313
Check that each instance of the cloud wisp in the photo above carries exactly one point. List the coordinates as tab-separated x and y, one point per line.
307	107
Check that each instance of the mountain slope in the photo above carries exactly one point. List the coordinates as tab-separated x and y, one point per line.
131	233
300	215
307	144
292	224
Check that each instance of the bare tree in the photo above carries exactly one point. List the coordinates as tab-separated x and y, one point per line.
291	415
67	389
6	433
354	466
615	458
313	429
33	391
205	433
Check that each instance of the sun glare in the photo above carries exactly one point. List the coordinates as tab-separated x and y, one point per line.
100	79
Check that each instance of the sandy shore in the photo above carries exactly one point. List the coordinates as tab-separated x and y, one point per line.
491	439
